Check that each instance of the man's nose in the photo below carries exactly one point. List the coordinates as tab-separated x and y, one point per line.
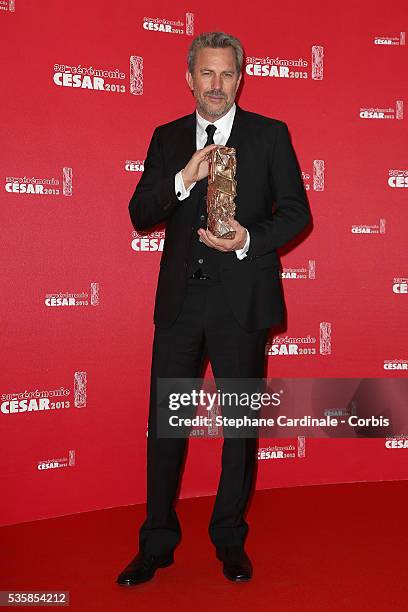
216	81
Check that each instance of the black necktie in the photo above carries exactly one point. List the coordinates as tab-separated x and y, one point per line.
210	129
202	207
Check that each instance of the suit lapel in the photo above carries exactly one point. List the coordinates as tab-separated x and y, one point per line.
238	141
237	132
187	142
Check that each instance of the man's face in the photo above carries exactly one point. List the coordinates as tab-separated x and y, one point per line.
214	82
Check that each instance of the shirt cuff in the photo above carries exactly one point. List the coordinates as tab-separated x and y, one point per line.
241	253
181	192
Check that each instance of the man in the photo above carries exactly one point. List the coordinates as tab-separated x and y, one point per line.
215	296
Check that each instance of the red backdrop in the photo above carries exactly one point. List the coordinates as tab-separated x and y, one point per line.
84	85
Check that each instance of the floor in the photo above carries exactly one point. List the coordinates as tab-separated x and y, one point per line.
332	547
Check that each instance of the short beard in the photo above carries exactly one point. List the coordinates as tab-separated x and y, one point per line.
214	112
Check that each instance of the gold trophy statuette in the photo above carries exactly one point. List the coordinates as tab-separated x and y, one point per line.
222	187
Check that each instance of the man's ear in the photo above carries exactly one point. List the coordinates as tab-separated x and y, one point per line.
239	80
189	80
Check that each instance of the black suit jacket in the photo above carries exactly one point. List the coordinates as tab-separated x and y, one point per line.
270	202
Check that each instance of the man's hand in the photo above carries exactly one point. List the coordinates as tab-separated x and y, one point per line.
225	244
197	167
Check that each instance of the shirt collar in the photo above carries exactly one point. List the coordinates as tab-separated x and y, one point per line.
224	124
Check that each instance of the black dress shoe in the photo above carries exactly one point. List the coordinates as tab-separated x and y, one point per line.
236	563
143	567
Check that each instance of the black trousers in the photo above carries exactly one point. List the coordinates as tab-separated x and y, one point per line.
204	327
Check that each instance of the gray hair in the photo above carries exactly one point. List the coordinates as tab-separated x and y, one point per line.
215	40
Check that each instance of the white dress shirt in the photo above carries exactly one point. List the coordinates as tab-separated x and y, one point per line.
221	135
